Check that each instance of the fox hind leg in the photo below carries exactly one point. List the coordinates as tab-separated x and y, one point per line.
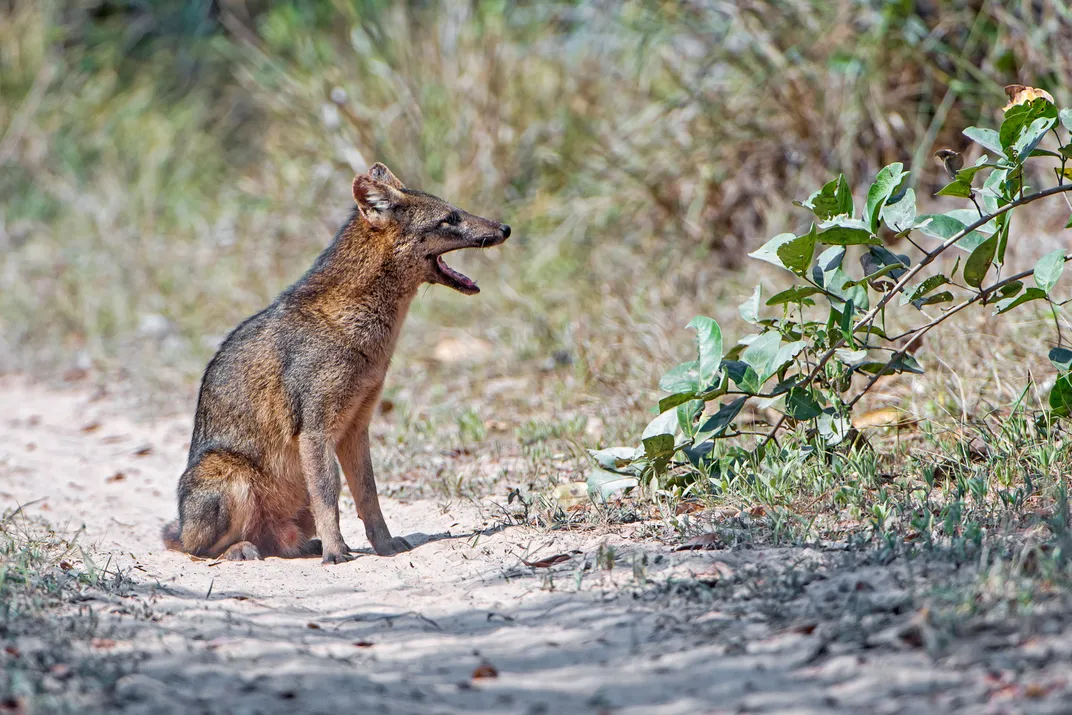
216	510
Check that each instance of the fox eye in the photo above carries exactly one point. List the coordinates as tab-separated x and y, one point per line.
452	220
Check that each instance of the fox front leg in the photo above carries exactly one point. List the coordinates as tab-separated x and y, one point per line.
322	480
356	460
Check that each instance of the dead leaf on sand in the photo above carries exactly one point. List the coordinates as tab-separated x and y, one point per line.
697	543
547	562
117	477
143	450
485	670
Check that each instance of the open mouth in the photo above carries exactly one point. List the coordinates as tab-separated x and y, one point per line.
445	275
454	279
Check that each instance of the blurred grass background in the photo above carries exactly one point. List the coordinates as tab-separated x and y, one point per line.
167	167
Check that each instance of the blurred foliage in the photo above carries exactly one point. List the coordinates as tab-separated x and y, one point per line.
166	166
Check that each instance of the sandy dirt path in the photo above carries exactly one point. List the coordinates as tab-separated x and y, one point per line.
407	634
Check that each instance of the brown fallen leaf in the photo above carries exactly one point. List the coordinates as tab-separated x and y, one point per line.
1019	94
143	450
547	562
485	670
804	628
66	565
703	541
103	643
757	511
687	507
363	644
117	477
12	651
313	626
90	427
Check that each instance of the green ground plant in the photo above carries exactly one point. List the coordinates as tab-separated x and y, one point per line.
829	343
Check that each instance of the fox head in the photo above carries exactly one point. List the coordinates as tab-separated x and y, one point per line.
422	228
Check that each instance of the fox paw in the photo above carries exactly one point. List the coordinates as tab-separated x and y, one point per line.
337	556
392	546
242	551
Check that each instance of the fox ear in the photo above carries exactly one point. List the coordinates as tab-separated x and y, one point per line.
373	198
381	173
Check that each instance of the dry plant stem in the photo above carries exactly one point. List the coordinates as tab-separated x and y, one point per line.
912	273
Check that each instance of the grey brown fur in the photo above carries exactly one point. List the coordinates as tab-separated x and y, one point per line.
295	386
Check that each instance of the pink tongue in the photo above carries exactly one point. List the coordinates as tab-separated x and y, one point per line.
460	277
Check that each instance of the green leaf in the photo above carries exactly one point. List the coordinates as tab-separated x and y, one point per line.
945	226
709	347
1003	238
1061	359
987	138
785	353
832	427
901	216
958	188
658	436
905	363
1018	121
1048	270
832	200
686	416
879	261
887	180
1069	224
846	232
923	288
682	378
769	251
743	375
796	255
793	295
1004	306
761	352
1066	118
943	297
716	425
616	459
848	317
749	309
992	193
1061	396
603	484
1031	135
979	261
1010	289
668	403
800	404
852	358
664	424
838	284
968	173
827	261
